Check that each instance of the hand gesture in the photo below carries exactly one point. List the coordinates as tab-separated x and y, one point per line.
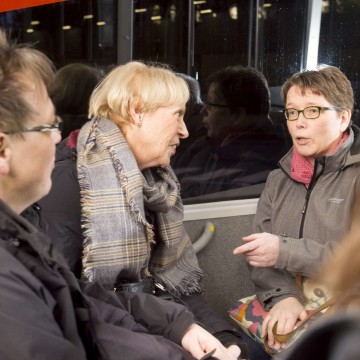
261	250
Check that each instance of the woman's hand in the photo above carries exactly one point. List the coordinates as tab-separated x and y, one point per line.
199	342
261	250
286	313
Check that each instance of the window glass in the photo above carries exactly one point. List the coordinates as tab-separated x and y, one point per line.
340	41
222	34
199	41
224	158
161	32
73	31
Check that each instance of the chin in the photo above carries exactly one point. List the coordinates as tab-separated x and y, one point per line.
45	189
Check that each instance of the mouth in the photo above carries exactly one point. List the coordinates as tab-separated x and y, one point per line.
301	140
173	148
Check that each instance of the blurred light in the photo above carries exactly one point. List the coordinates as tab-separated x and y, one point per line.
207	11
199	2
29	30
140	10
101	23
233	12
197	16
267	5
172	13
154	18
66	27
88	17
35	22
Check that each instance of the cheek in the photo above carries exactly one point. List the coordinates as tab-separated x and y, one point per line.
291	127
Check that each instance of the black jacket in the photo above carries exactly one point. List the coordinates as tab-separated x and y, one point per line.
45	314
61	207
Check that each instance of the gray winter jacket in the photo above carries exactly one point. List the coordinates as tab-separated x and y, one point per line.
310	222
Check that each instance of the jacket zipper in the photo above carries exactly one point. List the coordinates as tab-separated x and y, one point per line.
312	184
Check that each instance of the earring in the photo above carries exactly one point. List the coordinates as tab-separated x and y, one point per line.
138	124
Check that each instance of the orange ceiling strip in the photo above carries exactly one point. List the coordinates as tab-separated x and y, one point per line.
8	5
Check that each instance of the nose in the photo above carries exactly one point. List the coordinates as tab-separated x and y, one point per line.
301	120
183	131
56	136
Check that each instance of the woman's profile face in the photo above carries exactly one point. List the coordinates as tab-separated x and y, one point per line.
315	137
156	140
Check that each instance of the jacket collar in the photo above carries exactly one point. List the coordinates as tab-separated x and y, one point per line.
347	154
16	229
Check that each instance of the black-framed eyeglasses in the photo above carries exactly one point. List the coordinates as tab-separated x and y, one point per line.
310	112
209	104
56	126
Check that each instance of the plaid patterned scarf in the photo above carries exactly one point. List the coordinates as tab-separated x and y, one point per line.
118	238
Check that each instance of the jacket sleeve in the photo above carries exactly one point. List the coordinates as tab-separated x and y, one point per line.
271	284
27	326
61	212
158	316
303	256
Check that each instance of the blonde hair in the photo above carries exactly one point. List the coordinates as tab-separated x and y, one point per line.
146	87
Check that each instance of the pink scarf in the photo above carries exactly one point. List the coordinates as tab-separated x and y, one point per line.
72	139
301	168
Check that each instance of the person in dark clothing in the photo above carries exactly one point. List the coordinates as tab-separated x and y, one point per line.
242	144
60	209
45	312
71	92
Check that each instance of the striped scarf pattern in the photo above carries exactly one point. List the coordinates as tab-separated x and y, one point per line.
118	238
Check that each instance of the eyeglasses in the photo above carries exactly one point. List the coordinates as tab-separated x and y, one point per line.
56	126
310	112
209	104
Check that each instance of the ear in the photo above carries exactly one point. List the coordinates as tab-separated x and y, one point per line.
136	116
345	119
5	154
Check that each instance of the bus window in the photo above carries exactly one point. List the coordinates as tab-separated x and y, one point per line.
198	38
70	31
339	42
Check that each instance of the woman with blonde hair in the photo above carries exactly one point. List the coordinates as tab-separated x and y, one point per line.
132	213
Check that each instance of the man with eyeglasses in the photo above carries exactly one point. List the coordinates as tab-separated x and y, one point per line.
45	313
242	145
303	211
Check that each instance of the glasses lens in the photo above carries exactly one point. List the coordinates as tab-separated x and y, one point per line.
291	114
312	112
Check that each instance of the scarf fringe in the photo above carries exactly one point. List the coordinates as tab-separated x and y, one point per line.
103	151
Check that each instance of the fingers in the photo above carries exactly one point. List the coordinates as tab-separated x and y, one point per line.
231	353
234	351
246	248
250	237
303	315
